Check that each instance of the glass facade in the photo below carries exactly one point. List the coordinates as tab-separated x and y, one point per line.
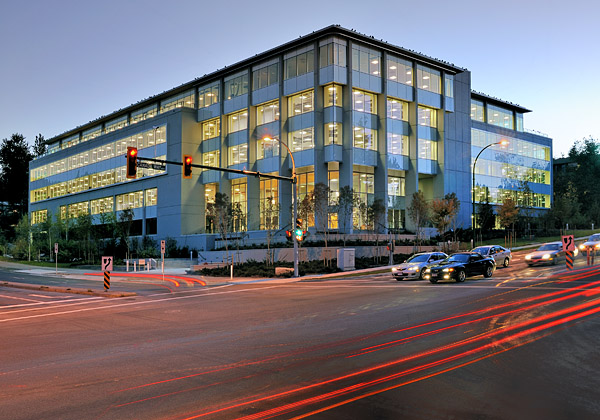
299	64
236	85
265	76
301	103
267	113
399	70
428	79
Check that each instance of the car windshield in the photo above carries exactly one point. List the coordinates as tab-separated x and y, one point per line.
595	238
419	258
549	247
458	258
482	250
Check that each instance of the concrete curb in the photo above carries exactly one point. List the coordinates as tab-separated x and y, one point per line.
89	292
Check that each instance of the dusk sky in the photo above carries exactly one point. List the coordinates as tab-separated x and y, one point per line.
65	63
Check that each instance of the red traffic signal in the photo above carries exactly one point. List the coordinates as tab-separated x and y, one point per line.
132	153
187	166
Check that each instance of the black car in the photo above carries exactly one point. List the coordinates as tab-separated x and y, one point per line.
459	266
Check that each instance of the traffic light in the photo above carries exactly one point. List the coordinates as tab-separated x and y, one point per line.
288	234
187	166
298	232
131	162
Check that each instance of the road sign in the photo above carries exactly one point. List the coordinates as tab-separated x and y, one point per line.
568	243
107	263
162	246
56	248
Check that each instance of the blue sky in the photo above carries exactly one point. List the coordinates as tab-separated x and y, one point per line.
65	63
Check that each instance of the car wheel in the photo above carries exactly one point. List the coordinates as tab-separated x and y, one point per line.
488	271
434	281
399	278
422	274
461	276
506	262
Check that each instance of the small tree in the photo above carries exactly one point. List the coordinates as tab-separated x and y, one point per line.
320	199
507	216
271	223
344	206
220	215
125	223
39	147
456	205
375	216
442	212
485	215
418	211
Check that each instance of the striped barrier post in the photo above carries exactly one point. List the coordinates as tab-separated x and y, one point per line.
106	280
569	259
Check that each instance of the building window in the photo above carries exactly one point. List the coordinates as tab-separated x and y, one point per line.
399	70
301	103
116	124
78	209
238	154
427	117
306	185
333	95
91	134
427	149
211	158
477	108
449	86
208	95
185	99
366	60
267	113
239	200
236	85
269	203
39	216
143	114
302	139
102	205
132	200
428	79
333	133
363	185
397	109
151	197
364	101
299	65
267	147
332	54
238	121
265	76
211	129
397	144
333	179
396	186
519	121
500	117
365	138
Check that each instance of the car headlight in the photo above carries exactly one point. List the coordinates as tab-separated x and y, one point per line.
446	270
582	247
428	270
575	252
546	257
527	257
415	269
597	245
394	269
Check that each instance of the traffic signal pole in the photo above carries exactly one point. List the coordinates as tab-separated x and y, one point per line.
159	163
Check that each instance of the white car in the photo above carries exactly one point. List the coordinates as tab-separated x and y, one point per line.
592	242
501	255
414	267
550	253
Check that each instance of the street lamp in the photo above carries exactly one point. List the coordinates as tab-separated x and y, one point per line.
502	143
294	199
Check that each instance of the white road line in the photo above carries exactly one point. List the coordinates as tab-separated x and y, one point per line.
134	304
47	305
18	298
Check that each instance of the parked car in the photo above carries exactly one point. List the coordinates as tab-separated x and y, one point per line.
461	265
501	255
592	242
549	253
414	267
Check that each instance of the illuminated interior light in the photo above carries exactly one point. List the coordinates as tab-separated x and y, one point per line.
393	67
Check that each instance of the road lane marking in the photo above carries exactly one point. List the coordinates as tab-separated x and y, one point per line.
120	305
18	298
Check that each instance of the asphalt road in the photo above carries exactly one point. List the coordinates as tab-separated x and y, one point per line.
520	345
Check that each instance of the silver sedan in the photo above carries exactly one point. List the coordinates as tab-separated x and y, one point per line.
501	255
414	267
